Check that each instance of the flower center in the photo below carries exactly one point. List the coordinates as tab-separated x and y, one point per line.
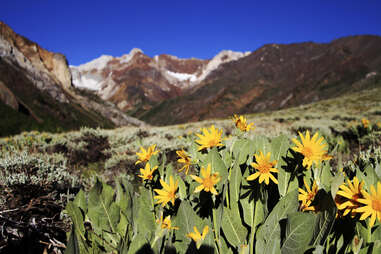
310	196
376	205
307	152
264	167
213	142
208	182
356	196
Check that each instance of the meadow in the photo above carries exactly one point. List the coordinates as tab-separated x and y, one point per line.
300	180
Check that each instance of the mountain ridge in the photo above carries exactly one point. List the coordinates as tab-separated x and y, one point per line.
36	91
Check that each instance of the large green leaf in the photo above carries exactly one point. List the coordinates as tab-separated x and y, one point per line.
232	226
298	233
73	245
268	237
241	149
145	217
325	218
77	236
102	211
279	147
235	183
80	200
253	213
185	220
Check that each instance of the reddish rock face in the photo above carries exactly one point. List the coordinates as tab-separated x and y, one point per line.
54	64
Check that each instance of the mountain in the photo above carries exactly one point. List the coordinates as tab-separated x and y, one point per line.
168	90
36	91
278	76
136	83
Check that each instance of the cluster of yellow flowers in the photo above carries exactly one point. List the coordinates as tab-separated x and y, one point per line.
353	199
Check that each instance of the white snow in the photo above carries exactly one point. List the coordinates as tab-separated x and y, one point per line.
223	57
182	76
127	57
98	63
88	83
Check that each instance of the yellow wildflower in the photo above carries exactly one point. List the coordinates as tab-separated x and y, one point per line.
207	181
372	204
365	122
166	223
307	196
185	159
147	172
313	149
240	123
168	193
145	155
348	195
209	139
196	236
264	167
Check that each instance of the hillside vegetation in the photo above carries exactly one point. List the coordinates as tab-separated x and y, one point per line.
41	173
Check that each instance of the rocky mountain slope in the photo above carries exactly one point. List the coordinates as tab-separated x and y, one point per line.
278	76
136	82
36	91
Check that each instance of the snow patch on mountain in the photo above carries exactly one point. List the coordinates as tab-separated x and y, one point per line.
127	57
223	57
182	76
98	63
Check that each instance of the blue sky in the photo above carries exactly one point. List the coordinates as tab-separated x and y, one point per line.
84	30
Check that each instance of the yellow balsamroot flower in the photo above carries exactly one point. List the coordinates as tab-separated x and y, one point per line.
166	223
209	139
207	181
365	122
313	149
264	167
372	204
147	172
240	123
196	236
145	155
168	193
348	195
307	196
185	159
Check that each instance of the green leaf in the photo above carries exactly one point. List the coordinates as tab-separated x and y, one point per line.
182	188
279	147
241	149
103	213
325	218
137	243
268	236
80	200
78	229
235	183
145	215
253	213
232	226
73	245
326	177
298	233
185	220
377	170
337	180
